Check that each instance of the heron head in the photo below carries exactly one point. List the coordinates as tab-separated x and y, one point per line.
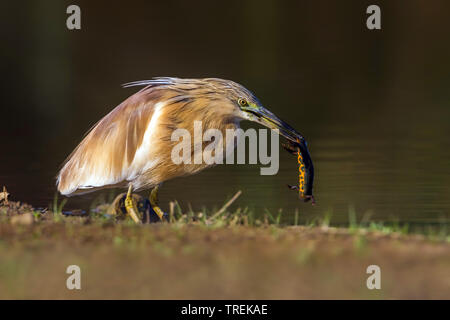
248	107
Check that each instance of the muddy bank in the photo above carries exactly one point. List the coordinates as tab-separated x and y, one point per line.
194	260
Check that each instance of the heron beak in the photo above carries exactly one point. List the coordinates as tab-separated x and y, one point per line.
270	120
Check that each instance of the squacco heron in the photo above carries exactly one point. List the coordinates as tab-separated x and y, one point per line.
131	146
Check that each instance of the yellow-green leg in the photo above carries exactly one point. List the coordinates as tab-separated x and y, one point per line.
154	203
130	206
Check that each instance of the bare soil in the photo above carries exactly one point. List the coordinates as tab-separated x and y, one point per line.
196	261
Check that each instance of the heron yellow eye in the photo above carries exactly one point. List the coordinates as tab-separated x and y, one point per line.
243	102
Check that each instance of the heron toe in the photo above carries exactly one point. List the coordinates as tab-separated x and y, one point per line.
154	216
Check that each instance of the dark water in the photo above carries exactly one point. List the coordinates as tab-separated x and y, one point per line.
374	106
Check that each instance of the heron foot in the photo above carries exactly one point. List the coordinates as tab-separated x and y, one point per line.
142	209
130	206
119	210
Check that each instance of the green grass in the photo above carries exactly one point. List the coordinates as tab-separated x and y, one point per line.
223	217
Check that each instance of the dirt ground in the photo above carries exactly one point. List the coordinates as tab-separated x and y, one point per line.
196	261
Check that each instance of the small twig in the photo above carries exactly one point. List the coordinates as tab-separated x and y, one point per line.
226	205
4	196
172	211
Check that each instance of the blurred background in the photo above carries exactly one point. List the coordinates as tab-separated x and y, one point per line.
374	105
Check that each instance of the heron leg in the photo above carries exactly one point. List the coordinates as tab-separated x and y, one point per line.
154	203
130	206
